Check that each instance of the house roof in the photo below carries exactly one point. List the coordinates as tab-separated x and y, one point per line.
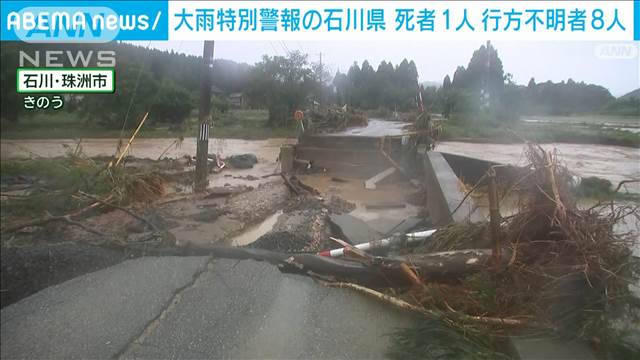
216	90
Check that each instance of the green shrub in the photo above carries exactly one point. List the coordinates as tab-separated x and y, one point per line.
173	104
219	105
594	186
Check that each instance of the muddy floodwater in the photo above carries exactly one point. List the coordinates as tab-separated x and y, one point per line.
614	163
267	152
142	148
252	234
353	191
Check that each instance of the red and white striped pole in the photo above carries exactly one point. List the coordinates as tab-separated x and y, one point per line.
378	244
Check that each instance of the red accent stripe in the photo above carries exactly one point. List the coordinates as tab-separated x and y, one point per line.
326	253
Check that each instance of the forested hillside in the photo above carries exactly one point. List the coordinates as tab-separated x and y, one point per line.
161	82
166	84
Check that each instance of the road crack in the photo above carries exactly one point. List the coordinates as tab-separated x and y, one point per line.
166	310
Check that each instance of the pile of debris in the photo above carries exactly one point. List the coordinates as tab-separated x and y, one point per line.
550	268
555	269
334	120
241	161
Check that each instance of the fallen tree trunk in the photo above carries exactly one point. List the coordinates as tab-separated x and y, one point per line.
451	263
427	312
368	274
383	272
303	264
377	273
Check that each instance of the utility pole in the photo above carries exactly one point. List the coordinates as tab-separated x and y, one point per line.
320	80
204	117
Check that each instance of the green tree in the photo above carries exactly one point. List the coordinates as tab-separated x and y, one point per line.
341	84
532	84
388	86
10	101
446	83
173	105
282	84
567	98
135	92
353	92
478	90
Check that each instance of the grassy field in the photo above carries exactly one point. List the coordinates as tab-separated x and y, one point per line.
588	120
250	124
543	132
236	123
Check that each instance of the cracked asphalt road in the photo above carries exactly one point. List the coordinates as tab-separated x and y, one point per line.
196	307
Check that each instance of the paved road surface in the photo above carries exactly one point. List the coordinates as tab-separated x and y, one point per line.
375	127
196	308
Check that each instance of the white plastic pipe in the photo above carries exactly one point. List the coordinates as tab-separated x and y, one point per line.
382	243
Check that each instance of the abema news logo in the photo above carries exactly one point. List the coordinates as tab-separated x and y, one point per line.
98	21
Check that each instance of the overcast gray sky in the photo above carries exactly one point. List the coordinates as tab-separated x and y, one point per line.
544	61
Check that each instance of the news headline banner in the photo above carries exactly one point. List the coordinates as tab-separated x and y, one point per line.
101	21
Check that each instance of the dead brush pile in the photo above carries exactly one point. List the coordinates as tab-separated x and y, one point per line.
62	184
569	273
335	119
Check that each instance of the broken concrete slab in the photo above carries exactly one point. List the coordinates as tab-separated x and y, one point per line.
96	315
384	205
354	230
370	183
444	193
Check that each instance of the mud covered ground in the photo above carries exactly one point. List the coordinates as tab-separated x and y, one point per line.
267	216
37	257
242	207
41	256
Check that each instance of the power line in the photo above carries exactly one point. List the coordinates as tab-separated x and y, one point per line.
284	46
276	52
133	95
301	47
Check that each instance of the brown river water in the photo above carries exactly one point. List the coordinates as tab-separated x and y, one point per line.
267	152
614	163
611	162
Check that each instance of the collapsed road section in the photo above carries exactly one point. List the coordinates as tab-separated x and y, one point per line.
384	216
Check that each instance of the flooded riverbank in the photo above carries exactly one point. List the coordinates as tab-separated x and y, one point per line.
267	152
141	148
614	163
624	123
